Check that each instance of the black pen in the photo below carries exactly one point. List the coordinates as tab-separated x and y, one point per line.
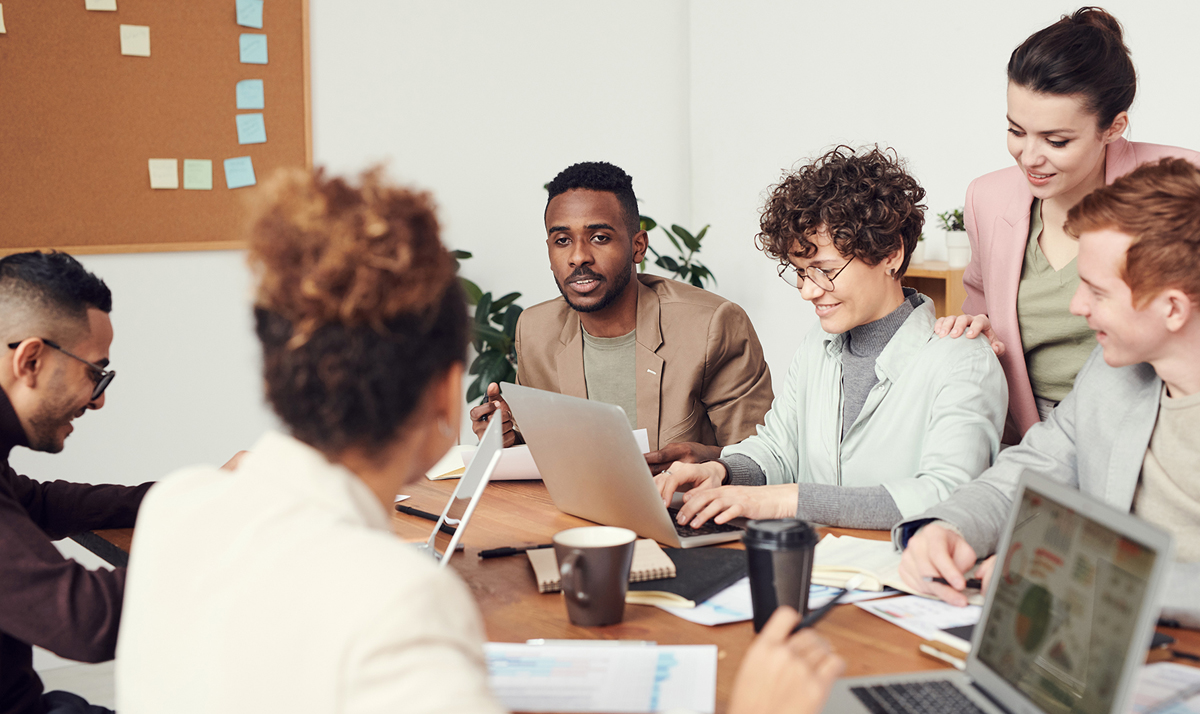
448	530
814	616
511	550
975	583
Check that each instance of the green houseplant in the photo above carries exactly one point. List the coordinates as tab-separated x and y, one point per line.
684	267
493	335
958	247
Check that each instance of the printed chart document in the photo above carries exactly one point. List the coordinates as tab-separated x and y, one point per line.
603	677
922	616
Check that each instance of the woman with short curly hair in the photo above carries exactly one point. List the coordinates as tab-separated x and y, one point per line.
879	419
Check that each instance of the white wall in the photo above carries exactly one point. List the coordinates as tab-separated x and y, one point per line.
703	102
484	102
773	82
187	390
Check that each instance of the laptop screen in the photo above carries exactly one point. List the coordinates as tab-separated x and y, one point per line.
1065	607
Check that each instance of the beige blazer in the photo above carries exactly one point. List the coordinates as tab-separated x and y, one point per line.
701	375
997	221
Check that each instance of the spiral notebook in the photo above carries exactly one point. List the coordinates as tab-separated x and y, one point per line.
649	563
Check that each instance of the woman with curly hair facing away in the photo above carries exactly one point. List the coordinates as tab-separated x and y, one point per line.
1070	87
879	419
281	587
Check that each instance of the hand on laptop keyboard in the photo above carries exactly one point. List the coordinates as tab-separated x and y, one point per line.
682	476
705	529
725	503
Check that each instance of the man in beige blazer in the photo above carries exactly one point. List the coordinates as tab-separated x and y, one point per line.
684	363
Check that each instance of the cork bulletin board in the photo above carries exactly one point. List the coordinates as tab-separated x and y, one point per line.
81	122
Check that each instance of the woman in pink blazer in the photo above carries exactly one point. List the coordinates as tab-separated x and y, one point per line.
1070	86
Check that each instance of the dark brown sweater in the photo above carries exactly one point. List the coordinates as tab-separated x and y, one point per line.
46	599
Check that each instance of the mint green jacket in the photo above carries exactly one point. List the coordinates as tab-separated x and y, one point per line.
931	424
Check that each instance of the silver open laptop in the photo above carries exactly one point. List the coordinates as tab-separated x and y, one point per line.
593	468
1068	616
468	492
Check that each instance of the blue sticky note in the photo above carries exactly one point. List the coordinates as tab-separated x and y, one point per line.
239	172
249	13
251	129
253	48
250	94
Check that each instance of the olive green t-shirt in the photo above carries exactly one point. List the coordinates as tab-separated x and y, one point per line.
609	371
1056	342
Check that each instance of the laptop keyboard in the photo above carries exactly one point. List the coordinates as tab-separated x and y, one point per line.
708	528
936	697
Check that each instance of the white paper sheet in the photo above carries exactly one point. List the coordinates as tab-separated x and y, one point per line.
1167	688
733	604
516	463
592	678
922	616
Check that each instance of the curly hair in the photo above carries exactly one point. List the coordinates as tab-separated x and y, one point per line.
599	176
865	199
1158	205
357	306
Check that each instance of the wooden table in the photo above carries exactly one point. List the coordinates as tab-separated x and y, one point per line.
521	513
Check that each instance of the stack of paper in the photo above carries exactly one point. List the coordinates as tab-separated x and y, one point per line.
516	463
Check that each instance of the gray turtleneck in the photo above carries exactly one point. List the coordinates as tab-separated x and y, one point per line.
862	347
844	506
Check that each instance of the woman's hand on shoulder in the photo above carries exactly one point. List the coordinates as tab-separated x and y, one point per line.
970	325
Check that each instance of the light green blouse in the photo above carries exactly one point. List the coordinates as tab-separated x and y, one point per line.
1056	342
930	424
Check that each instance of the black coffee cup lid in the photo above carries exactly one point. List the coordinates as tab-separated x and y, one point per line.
779	533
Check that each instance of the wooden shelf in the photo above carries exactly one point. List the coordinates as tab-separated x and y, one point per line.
943	284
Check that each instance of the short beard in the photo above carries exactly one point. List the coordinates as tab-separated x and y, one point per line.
615	288
45	424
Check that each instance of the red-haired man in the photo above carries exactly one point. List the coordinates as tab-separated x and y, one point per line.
1127	433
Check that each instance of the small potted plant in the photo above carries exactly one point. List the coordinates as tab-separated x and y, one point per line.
958	248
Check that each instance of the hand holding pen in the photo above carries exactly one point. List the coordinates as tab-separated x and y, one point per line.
482	414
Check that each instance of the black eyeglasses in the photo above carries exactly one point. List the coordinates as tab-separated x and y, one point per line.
102	377
795	277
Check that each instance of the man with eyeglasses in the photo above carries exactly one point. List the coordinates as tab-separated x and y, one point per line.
55	331
684	363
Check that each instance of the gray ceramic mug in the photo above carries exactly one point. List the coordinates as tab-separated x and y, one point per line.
593	563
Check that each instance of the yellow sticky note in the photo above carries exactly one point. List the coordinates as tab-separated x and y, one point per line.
164	173
105	5
197	174
2	30
135	40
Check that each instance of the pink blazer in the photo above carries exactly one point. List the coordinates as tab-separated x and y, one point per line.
997	218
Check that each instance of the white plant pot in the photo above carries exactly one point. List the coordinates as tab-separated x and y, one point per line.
958	249
918	254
